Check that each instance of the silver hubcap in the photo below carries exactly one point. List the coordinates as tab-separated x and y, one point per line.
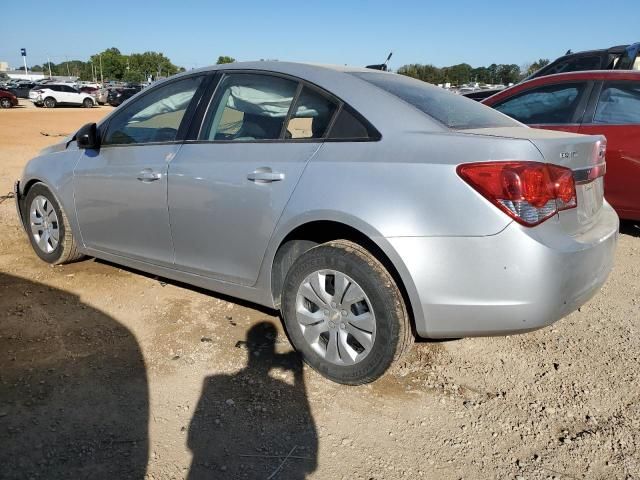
44	224
335	317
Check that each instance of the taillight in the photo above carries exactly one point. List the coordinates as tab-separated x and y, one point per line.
529	192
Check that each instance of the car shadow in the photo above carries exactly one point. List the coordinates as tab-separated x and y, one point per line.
628	227
74	400
255	423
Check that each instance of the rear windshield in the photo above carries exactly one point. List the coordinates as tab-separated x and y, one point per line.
454	111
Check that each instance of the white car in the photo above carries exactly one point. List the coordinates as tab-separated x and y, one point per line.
51	95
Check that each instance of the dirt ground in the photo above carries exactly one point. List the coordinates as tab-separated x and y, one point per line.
110	373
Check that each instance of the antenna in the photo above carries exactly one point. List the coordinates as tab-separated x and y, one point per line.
386	62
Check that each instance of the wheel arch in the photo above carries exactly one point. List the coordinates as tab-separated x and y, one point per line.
307	233
24	190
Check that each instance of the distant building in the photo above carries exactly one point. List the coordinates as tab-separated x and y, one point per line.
4	66
37	76
20	75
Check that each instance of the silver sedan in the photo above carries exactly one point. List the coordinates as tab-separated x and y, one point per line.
367	207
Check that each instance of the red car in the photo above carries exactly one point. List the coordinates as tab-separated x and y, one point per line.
593	102
7	99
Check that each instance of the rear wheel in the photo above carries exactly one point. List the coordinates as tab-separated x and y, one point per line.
87	103
48	227
50	102
5	103
344	313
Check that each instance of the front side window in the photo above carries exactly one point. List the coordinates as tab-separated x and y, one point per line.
554	104
156	117
311	115
249	107
619	104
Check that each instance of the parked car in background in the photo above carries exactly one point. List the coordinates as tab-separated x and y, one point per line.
118	95
364	205
621	57
7	99
21	90
595	103
52	95
99	94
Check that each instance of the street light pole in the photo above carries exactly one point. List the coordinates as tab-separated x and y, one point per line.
101	77
23	51
49	63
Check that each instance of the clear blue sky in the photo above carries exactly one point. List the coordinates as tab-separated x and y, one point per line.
359	32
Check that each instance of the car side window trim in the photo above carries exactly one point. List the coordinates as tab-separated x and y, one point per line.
590	111
184	123
195	135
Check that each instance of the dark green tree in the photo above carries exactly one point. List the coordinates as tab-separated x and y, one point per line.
537	65
225	59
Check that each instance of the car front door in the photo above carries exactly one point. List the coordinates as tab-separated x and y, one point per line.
555	107
228	188
616	115
121	189
70	95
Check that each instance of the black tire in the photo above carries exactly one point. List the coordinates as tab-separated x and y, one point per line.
67	248
393	337
5	103
49	102
87	103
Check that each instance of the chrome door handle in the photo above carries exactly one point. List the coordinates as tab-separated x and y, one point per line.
265	175
149	176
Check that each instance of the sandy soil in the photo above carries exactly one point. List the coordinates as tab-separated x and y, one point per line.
110	373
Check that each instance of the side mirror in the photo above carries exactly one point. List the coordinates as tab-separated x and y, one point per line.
87	137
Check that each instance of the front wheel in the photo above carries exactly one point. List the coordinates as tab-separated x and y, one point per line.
344	313
48	227
5	103
87	103
50	102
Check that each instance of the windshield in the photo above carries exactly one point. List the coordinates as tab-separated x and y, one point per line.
454	111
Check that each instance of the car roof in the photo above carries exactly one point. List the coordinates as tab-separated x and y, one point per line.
283	67
565	77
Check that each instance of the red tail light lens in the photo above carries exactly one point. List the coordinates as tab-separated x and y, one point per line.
529	192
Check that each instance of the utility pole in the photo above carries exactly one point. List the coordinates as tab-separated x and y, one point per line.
23	52
101	78
49	63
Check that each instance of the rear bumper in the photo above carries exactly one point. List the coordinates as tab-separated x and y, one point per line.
518	280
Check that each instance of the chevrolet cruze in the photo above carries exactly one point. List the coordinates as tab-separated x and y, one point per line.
369	208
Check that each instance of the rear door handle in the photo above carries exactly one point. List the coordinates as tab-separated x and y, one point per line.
265	175
147	175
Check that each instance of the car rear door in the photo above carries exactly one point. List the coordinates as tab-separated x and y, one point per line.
121	189
615	113
553	106
229	186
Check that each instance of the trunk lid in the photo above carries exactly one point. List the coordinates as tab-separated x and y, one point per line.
583	154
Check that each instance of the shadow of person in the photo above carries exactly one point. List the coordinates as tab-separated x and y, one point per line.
252	425
73	388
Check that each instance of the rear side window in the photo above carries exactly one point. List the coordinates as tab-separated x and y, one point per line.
554	104
454	111
311	115
619	104
249	107
347	126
